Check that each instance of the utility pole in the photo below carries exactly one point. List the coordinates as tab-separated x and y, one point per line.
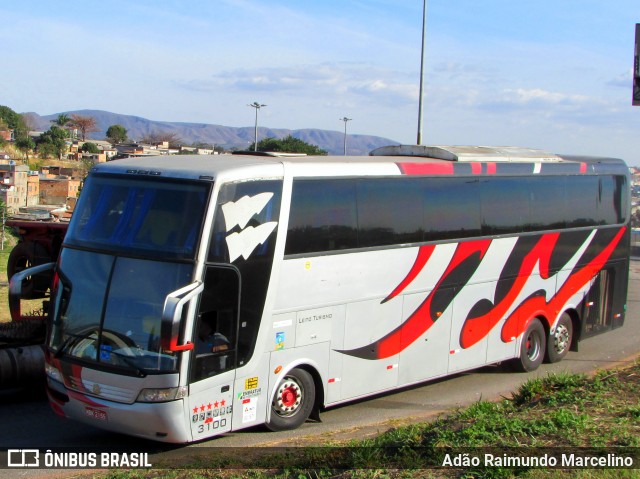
257	106
420	100
345	119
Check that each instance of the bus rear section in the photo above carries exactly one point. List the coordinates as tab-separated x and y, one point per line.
444	267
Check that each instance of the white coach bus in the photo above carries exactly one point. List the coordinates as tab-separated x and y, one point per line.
196	295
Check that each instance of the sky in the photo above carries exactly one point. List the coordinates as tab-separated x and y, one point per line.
548	74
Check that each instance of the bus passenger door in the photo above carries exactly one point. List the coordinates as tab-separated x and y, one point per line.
213	359
604	305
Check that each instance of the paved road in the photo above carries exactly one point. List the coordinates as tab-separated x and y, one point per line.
27	420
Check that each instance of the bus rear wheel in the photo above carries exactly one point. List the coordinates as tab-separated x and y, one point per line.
293	401
559	342
532	347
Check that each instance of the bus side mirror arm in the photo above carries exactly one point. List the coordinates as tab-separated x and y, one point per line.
15	287
172	315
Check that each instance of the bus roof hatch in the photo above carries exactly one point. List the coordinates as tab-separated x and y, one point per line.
467	153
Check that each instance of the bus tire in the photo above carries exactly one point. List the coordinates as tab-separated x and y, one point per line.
532	347
293	401
25	255
559	343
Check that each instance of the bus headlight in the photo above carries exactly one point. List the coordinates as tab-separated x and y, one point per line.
52	372
162	394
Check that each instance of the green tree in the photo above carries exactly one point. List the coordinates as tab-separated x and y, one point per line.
26	145
289	144
117	134
13	121
89	147
3	127
62	120
52	142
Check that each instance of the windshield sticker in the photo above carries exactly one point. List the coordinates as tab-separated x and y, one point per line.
105	352
243	243
240	212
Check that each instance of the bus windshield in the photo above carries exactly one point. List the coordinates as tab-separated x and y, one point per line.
130	243
139	216
108	309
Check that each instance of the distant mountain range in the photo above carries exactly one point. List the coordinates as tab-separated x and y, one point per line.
225	136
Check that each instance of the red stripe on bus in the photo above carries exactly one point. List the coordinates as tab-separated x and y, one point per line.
424	253
426	168
420	321
514	326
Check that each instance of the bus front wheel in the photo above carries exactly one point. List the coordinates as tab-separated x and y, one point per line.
532	347
293	401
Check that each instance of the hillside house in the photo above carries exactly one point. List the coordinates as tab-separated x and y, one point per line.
13	186
33	188
56	171
6	134
55	191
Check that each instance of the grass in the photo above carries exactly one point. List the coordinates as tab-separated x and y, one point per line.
4	289
556	414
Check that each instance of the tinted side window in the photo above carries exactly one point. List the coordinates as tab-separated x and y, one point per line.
389	211
452	208
547	203
323	216
611	191
581	200
505	206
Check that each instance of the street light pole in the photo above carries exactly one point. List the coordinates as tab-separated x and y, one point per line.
345	119
424	26
257	106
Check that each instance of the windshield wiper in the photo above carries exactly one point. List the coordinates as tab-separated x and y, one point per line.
130	362
67	342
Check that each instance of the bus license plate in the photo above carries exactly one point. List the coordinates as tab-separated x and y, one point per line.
98	414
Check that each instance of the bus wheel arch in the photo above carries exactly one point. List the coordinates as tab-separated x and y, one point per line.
294	400
560	342
532	346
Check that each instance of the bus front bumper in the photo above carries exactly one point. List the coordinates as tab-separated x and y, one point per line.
163	421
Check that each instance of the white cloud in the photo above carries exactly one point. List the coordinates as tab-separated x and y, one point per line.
522	96
346	78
